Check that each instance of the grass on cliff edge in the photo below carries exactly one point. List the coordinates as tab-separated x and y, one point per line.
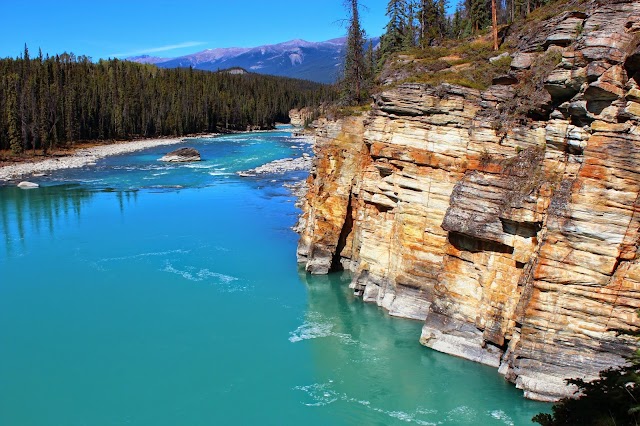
337	112
463	63
466	62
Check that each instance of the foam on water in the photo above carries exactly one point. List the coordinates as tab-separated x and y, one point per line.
323	394
462	413
189	273
310	330
99	263
320	393
197	275
501	415
199	166
316	327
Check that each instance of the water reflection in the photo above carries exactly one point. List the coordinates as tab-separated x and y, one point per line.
371	365
40	210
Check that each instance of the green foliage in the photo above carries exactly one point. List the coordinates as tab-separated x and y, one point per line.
13	134
613	399
357	75
541	10
46	102
465	64
479	14
336	112
393	38
433	21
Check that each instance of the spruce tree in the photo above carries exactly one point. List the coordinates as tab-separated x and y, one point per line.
478	15
433	21
458	23
67	98
411	32
13	131
394	38
355	70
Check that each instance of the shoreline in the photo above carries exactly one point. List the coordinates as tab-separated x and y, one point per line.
86	156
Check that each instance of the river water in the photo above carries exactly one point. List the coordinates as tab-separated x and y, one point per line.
136	292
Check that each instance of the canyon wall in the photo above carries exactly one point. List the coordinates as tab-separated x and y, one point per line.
515	241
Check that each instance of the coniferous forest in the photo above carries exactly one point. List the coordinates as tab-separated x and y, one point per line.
55	101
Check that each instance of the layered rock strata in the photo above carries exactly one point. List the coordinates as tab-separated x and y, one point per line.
515	241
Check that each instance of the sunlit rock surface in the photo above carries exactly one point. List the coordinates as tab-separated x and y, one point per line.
515	241
182	155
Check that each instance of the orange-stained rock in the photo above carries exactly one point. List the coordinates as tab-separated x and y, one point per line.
516	244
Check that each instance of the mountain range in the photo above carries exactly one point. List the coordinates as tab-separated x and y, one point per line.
315	61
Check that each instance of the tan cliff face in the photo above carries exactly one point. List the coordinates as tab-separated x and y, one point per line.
516	244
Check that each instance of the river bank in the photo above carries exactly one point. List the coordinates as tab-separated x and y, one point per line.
140	262
81	157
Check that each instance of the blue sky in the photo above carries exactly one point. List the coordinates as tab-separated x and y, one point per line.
101	29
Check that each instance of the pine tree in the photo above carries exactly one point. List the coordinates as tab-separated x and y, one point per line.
66	98
13	131
355	70
457	23
433	21
478	14
394	38
442	18
411	31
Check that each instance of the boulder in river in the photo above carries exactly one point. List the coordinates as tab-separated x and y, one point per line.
28	185
182	155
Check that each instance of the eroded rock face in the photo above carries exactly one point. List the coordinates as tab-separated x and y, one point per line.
300	117
182	155
516	244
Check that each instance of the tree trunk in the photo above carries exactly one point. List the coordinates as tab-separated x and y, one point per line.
494	18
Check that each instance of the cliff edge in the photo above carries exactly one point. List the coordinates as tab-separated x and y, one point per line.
507	220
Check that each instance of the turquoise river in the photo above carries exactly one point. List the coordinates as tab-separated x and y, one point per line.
135	292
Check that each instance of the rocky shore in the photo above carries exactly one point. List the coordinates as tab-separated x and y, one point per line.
82	157
281	166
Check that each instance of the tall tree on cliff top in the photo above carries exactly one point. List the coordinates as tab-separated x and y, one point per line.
394	38
494	22
433	21
411	32
354	83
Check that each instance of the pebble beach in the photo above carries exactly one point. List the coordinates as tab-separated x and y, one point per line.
81	157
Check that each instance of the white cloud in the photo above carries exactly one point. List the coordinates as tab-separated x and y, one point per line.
159	49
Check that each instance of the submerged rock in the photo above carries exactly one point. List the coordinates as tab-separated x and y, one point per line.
28	185
182	155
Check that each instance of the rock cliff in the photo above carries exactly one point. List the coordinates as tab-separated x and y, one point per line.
300	117
514	239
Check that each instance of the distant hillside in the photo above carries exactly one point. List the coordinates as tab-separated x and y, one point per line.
315	61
